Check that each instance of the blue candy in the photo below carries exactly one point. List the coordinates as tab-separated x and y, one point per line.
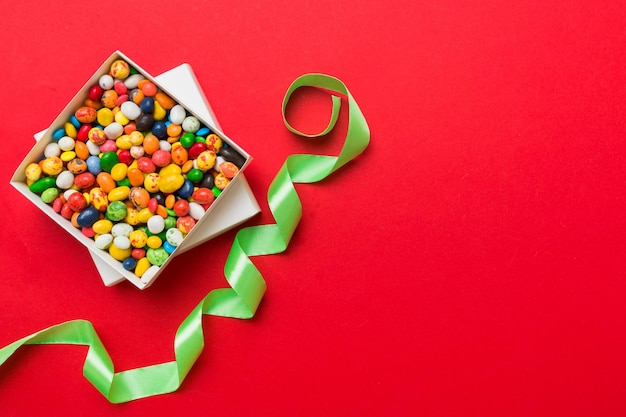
169	248
93	165
129	264
203	131
58	134
88	217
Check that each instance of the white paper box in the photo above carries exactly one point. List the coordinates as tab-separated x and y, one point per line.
235	205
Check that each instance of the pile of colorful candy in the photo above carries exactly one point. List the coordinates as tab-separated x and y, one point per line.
133	169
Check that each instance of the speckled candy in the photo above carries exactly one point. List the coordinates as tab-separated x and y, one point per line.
157	256
116	211
120	69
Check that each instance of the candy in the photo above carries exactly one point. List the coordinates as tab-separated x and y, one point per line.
49	195
87	217
33	171
157	256
120	69
132	169
52	165
104	241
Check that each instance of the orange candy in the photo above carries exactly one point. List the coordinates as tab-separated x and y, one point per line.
106	182
81	150
139	197
174	130
150	144
135	177
179	155
187	166
164	100
170	200
147	88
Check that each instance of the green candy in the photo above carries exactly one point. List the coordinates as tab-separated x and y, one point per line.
49	195
42	185
195	175
170	221
116	211
108	160
124	183
156	256
187	139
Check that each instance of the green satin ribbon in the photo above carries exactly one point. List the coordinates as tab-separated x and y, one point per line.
246	283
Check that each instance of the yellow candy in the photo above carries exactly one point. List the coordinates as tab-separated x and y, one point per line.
33	172
68	156
170	183
118	172
138	239
52	165
159	111
120	69
171	169
144	215
119	193
154	242
121	119
104	116
151	182
132	217
142	266
136	138
70	130
98	199
123	142
102	226
206	160
119	254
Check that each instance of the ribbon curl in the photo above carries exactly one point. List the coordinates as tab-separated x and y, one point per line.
247	286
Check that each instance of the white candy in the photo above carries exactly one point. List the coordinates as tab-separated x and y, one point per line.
130	110
191	124
137	151
156	224
122	242
149	274
174	236
65	180
133	80
93	148
104	241
52	149
196	210
177	114
114	130
165	145
66	143
106	82
121	229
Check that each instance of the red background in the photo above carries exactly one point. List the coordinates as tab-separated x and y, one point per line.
470	263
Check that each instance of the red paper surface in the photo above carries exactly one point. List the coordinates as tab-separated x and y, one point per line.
469	263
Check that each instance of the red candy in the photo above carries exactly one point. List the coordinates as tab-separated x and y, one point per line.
203	196
125	156
83	132
77	201
161	158
146	165
95	93
85	180
196	149
181	208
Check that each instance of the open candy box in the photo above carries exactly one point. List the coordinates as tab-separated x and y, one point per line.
138	170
